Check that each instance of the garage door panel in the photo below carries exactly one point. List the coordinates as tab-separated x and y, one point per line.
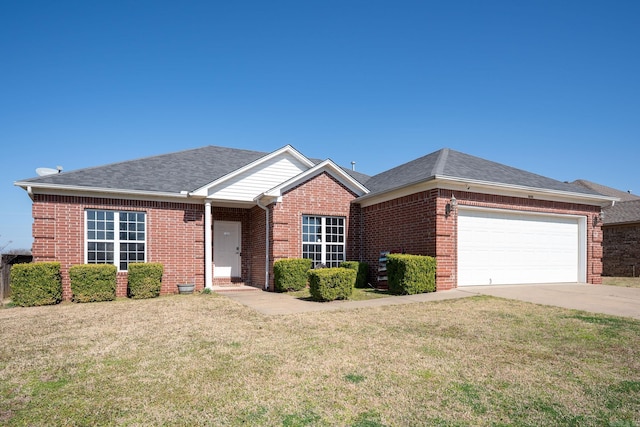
495	247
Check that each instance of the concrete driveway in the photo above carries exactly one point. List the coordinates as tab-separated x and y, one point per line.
615	300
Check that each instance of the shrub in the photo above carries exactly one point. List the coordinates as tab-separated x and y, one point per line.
411	274
36	284
144	280
328	284
93	282
290	274
362	269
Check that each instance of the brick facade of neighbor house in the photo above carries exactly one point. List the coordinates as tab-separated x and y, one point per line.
621	250
321	195
417	224
175	237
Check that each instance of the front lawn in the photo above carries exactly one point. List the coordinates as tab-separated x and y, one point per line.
628	282
206	360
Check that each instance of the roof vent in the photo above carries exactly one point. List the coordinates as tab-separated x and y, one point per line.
353	165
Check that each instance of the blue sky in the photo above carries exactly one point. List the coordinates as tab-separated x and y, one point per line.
551	87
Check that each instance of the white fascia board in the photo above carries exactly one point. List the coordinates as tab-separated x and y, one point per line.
485	187
326	166
69	190
202	191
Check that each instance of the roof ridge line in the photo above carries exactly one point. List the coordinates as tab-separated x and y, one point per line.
438	169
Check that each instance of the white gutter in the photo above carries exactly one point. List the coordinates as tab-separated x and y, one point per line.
113	191
482	186
266	248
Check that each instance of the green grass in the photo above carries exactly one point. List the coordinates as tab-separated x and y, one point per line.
627	282
207	360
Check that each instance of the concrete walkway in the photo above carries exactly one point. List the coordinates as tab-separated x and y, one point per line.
272	303
614	300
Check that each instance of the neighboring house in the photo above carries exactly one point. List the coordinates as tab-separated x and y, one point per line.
215	215
621	232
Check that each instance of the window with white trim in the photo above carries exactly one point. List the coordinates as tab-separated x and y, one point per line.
323	239
115	237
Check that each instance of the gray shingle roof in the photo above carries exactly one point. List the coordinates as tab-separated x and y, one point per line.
454	164
607	191
174	172
622	212
168	173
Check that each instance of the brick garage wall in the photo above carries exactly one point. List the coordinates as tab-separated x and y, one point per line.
417	224
406	224
321	195
175	236
621	250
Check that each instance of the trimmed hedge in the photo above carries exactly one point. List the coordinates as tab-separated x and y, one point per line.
328	284
290	274
36	284
93	282
411	274
362	269
144	280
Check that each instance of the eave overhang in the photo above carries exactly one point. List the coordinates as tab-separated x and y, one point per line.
81	191
485	187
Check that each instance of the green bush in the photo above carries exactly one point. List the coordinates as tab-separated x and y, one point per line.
362	269
36	284
93	282
411	274
144	280
328	284
291	274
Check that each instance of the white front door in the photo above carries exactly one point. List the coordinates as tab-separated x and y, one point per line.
226	248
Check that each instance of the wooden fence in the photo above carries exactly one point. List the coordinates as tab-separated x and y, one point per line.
6	261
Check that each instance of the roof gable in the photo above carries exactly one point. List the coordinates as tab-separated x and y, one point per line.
327	166
246	183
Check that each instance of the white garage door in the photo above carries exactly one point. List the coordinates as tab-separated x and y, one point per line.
498	247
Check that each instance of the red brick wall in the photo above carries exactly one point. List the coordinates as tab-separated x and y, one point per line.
621	251
175	236
321	195
417	224
403	225
257	246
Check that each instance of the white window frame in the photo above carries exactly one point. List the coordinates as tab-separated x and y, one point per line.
116	237
322	240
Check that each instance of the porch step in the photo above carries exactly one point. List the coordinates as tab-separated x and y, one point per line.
233	287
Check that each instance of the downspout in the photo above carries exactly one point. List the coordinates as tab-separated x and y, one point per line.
266	248
30	192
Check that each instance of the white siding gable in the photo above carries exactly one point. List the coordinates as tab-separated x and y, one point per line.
256	180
